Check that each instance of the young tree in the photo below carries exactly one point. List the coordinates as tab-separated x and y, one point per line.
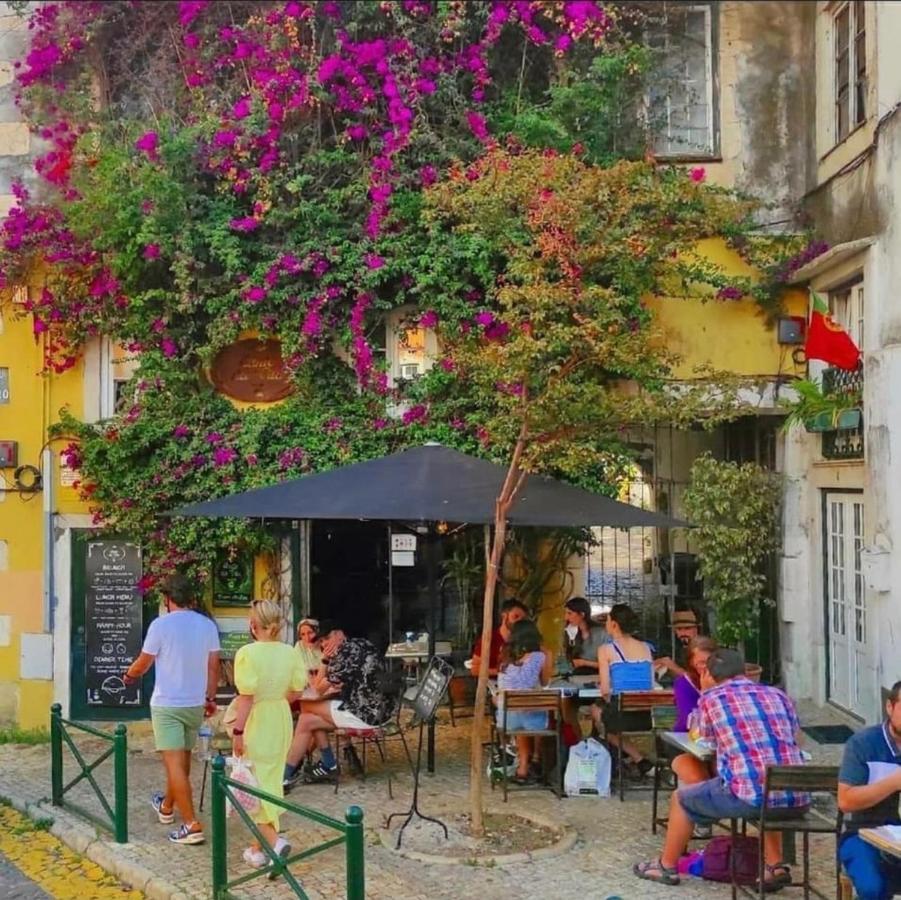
562	349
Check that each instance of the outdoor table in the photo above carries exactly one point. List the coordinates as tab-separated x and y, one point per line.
682	741
886	838
417	651
586	687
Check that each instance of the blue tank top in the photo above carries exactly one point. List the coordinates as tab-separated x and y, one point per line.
630	674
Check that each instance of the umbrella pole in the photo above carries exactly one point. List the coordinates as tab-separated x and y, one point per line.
390	591
432	581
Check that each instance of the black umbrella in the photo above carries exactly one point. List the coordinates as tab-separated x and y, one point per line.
427	484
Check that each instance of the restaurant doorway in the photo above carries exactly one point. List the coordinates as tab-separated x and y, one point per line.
349	576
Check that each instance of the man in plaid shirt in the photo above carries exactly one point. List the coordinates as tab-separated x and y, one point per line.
750	726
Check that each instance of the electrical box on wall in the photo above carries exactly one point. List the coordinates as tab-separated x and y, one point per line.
9	454
791	329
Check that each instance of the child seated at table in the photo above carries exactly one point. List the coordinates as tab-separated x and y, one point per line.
522	661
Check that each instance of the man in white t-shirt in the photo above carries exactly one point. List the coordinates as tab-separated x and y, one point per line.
184	647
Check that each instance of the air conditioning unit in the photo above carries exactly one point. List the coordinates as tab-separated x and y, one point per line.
409	371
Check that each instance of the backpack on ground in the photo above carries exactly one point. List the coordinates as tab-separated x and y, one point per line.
717	862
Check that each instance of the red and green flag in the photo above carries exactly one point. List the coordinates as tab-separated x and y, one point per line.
827	340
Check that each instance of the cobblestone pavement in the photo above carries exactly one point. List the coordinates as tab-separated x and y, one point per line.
611	835
15	886
34	865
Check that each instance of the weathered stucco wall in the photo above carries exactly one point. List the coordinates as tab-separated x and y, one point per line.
766	102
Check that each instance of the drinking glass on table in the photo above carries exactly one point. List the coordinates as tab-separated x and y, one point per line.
694	730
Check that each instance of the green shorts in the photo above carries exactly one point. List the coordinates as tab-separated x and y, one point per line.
175	727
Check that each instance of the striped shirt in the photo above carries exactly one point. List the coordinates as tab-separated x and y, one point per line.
751	726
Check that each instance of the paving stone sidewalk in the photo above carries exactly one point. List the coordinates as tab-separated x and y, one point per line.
611	835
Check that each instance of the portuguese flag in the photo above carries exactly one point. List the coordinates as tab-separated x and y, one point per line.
827	340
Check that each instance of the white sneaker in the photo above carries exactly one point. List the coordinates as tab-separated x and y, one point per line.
282	849
256	859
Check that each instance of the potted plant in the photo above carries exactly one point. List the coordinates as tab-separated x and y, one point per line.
735	510
823	410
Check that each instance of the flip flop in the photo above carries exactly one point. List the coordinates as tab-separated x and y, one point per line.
654	870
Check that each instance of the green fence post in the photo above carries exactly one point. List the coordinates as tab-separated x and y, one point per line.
220	837
356	881
120	781
56	755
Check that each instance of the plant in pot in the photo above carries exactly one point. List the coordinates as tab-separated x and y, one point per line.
464	574
735	510
818	408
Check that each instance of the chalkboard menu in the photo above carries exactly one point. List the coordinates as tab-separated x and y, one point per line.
431	689
114	618
233	579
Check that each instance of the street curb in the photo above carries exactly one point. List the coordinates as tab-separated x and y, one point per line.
84	841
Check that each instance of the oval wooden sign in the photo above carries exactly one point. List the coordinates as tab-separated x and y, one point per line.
251	371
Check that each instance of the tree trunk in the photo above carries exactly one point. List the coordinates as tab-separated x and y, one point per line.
505	499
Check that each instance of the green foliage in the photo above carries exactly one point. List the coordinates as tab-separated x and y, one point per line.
541	563
15	735
735	510
813	402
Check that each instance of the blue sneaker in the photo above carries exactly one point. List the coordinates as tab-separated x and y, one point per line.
166	818
187	834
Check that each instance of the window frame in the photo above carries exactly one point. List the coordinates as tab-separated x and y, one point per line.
847	306
713	152
857	83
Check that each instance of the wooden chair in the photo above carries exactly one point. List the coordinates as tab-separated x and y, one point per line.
845	886
663	718
549	702
815	780
631	702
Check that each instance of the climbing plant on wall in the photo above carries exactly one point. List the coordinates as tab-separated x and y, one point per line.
296	170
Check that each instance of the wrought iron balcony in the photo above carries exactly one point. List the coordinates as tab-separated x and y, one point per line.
844	442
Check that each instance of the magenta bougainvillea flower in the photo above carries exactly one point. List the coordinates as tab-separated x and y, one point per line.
181	431
152	251
374	261
697	174
222	456
148	144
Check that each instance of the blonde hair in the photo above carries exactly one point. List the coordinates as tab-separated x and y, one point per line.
267	615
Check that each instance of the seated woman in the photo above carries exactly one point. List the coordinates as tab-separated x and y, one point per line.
521	665
625	664
308	646
583	640
687	689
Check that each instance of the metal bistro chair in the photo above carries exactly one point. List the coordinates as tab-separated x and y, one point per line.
631	702
822	780
663	718
539	700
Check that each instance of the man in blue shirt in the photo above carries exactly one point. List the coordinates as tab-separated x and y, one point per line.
869	783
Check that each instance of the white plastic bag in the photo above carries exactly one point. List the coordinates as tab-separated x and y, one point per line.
588	770
242	771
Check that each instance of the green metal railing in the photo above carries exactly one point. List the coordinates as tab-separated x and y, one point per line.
350	833
116	819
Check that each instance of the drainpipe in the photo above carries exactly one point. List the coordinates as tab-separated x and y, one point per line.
48	555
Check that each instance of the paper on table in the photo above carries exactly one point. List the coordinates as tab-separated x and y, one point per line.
892	831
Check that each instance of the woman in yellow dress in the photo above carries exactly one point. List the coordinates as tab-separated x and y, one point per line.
266	672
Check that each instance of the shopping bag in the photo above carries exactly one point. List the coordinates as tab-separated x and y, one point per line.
588	770
242	771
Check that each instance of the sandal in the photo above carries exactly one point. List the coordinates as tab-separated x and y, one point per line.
780	876
654	870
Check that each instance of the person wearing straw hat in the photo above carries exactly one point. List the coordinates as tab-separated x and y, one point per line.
685	628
